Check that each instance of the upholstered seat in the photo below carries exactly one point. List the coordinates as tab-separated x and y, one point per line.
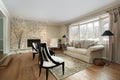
48	64
57	59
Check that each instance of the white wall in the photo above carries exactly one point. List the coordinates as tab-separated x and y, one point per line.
53	32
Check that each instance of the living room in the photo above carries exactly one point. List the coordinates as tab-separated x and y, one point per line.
74	26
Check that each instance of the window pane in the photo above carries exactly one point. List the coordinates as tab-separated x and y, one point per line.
82	30
89	31
74	35
96	29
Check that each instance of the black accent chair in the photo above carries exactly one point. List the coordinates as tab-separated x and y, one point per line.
32	43
34	47
47	61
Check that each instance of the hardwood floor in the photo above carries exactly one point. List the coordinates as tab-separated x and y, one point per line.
93	72
22	67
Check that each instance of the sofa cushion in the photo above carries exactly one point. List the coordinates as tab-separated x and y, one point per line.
70	48
80	51
87	43
95	48
77	50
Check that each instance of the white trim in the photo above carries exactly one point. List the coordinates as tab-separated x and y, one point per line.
6	17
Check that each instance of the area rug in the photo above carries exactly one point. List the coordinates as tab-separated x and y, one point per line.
72	66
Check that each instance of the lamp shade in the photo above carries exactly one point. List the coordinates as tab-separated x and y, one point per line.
107	33
64	36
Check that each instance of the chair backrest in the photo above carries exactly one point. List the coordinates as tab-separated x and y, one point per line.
45	54
34	45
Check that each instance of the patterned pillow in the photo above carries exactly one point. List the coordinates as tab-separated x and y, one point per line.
70	44
78	45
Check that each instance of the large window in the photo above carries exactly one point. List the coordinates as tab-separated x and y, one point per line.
91	29
74	33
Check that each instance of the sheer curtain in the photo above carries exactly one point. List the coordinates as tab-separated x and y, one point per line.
115	40
73	33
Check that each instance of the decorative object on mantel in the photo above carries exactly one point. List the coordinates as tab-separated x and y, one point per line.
108	33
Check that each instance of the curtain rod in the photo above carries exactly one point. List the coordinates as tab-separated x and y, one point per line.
113	8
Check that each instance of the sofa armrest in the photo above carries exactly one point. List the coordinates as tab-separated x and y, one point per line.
95	52
95	48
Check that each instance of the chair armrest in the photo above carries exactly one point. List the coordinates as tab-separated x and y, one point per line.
95	48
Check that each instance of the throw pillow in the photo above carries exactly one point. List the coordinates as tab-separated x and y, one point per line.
78	45
71	44
93	44
68	44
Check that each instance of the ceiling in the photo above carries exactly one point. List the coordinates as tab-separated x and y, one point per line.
56	11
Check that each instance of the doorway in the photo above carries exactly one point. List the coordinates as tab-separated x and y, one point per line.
1	35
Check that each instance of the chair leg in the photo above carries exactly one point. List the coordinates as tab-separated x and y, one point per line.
63	68
33	56
47	74
40	70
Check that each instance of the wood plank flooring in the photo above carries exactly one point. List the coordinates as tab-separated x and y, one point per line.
22	67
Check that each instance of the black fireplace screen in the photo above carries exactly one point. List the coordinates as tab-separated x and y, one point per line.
30	41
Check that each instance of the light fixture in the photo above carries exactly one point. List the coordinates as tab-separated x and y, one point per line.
108	33
64	36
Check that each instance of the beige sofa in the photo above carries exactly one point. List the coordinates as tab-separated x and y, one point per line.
87	50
